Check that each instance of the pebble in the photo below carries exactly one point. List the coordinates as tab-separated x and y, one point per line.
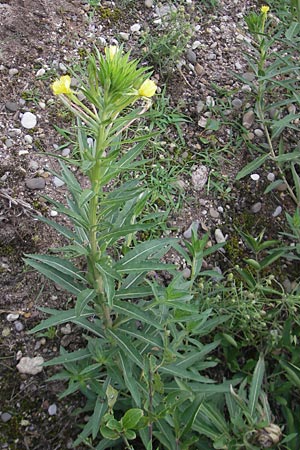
273	113
246	88
12	317
281	187
23	152
202	122
148	3
33	165
5	417
124	36
219	236
254	176
214	213
28	139
19	326
256	207
271	176
199	69
191	56
237	103
5	332
248	119
52	410
220	209
66	329
14	132
200	177
40	72
31	366
259	133
28	120
53	213
188	233
165	10
66	151
12	72
62	68
42	105
12	106
9	143
186	273
35	183
135	28
200	106
58	182
210	101
277	211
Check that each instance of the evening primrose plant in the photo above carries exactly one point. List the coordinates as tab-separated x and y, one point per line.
141	362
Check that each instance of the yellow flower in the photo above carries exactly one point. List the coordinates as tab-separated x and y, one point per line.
264	9
62	86
111	51
147	89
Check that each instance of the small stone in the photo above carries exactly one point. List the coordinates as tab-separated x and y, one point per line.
12	72
219	236
42	105
188	233
281	187
195	45
12	106
28	139
256	207
200	106
33	165
238	65
148	3
12	317
237	103
28	120
271	177
58	182
35	183
199	69
277	211
220	209
199	177
248	119
254	176
66	329
124	36
246	88
202	122
5	417
23	152
191	56
5	332
135	28
14	132
210	101
53	213
249	76
291	109
40	72
30	366
62	68
19	326
214	213
52	410
186	273
66	152
259	133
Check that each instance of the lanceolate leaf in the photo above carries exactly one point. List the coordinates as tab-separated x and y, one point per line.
99	411
61	265
145	266
58	319
130	381
256	384
83	299
125	345
142	251
78	355
133	312
249	168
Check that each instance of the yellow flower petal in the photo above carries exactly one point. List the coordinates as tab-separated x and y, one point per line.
111	51
147	89
62	86
264	9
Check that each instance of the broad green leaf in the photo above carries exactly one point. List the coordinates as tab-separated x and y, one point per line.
251	167
83	298
125	345
78	355
131	418
255	387
133	312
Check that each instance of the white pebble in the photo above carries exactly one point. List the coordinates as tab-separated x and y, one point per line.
136	27
277	211
12	72
40	72
219	236
31	366
12	317
124	36
255	177
53	213
42	105
195	45
28	139
271	176
23	152
28	120
52	410
58	182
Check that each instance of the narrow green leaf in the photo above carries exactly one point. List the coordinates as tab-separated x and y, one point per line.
145	266
133	312
185	374
272	257
125	345
251	167
99	411
256	384
61	265
83	298
130	381
78	355
57	319
85	196
189	414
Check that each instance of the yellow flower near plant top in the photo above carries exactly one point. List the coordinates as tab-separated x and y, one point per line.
111	51
62	86
147	89
265	9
